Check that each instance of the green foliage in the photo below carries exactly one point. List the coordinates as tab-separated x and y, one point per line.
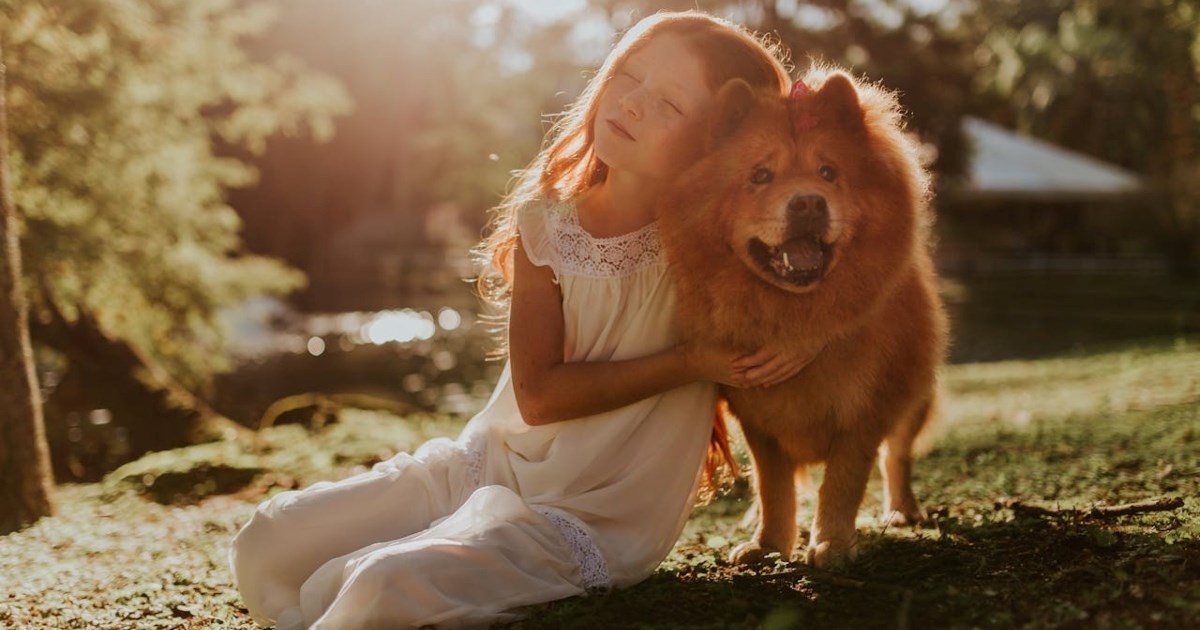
1093	74
1118	80
119	109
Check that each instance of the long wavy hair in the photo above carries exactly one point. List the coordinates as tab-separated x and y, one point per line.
567	166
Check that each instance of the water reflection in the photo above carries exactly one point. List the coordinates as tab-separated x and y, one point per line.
406	359
432	358
265	326
449	319
402	326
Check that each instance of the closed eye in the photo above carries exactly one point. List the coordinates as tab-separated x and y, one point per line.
673	106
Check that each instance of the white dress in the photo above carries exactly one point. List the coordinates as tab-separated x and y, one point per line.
463	532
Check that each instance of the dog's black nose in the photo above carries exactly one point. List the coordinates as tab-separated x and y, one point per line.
808	213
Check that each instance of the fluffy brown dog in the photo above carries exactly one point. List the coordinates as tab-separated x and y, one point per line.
805	225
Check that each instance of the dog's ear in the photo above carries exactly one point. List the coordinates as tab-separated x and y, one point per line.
734	101
839	101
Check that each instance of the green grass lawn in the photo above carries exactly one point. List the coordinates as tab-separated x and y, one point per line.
146	548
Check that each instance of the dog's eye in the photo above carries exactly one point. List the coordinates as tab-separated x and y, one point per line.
762	175
827	172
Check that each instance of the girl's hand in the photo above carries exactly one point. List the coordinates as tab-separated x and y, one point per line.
712	363
771	366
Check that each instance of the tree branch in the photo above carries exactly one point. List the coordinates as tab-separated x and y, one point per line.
1161	504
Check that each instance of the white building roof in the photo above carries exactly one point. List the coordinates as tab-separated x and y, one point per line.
1005	165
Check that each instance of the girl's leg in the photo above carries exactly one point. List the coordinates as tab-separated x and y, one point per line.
294	533
492	555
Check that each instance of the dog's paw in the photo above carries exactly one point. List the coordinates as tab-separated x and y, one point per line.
829	554
752	553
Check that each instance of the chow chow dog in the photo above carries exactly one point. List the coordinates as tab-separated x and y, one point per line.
805	225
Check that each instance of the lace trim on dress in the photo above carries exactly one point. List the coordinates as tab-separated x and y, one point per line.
582	254
592	565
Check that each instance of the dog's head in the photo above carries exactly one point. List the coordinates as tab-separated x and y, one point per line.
805	186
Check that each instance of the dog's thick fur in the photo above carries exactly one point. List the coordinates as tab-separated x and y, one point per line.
830	181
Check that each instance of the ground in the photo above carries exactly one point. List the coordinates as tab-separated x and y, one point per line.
147	547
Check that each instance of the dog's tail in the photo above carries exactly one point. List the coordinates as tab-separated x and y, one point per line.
720	467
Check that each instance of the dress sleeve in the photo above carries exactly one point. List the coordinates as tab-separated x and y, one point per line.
535	225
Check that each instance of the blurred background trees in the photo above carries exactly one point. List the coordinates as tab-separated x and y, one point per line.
1116	80
116	111
449	99
173	158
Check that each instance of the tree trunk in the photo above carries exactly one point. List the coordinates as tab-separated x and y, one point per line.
26	483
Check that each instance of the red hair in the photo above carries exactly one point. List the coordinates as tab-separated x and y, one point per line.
567	166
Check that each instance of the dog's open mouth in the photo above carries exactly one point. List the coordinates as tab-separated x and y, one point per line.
800	261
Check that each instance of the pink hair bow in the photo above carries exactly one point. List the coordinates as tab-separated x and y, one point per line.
799	89
803	120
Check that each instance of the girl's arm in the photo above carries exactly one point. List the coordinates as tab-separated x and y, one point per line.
548	389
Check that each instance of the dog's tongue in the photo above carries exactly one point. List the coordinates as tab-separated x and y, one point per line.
803	253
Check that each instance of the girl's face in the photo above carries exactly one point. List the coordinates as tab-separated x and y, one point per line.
650	117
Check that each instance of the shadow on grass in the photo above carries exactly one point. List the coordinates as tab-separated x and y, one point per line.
1003	573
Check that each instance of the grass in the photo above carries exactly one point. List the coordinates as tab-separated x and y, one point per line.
146	548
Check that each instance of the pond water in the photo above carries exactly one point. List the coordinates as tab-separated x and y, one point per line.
433	358
436	359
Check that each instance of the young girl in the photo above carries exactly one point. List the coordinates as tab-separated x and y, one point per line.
580	472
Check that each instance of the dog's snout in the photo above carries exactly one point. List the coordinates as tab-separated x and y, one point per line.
810	211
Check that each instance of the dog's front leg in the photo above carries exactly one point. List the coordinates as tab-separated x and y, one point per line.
775	485
834	537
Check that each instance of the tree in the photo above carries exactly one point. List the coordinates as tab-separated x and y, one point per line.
1115	79
117	107
26	483
118	112
448	97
